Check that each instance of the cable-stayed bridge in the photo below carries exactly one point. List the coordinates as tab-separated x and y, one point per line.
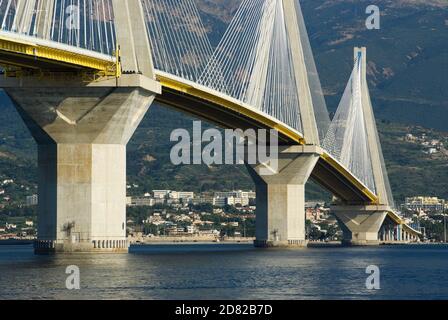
83	73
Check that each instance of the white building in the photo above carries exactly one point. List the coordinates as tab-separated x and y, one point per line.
32	200
238	197
185	195
142	202
425	204
204	200
173	195
219	202
161	194
191	229
236	194
233	201
7	181
435	142
159	201
209	233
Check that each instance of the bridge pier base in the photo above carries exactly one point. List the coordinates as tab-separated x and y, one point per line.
82	133
360	224
280	214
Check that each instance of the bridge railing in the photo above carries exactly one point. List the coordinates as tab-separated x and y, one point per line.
178	38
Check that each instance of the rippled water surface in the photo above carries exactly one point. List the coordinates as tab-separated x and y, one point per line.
228	272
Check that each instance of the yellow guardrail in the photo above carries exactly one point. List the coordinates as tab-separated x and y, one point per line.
57	56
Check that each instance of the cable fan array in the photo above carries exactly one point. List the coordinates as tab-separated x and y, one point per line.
320	107
253	62
178	38
87	24
346	139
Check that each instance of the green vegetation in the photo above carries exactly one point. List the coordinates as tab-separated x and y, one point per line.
411	171
434	228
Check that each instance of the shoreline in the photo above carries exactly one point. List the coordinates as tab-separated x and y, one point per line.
180	241
174	242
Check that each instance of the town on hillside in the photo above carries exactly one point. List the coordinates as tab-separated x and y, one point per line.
186	216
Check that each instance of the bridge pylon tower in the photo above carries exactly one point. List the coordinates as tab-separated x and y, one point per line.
361	223
82	129
281	196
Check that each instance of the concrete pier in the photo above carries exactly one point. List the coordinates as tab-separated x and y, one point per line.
360	224
281	198
82	122
82	133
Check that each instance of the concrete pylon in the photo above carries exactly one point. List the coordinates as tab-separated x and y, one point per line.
132	37
82	135
281	197
361	223
82	130
309	124
373	142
